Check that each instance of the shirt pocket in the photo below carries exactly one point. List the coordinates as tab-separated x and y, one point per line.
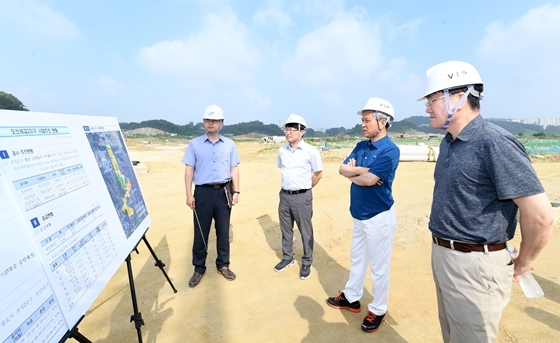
365	159
224	159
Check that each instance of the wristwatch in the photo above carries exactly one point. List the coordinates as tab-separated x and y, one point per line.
236	192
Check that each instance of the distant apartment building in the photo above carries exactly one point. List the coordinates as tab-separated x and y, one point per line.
544	121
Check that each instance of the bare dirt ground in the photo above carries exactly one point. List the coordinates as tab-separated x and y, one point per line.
265	306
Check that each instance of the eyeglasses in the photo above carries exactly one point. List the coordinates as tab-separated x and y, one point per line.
429	103
290	130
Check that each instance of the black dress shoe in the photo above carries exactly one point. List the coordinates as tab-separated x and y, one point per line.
195	279
227	273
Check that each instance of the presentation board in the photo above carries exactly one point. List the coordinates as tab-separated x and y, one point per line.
71	210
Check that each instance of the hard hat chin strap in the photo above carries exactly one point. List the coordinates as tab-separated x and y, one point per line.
300	136
379	128
470	89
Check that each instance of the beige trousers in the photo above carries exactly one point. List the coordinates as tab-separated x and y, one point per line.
472	291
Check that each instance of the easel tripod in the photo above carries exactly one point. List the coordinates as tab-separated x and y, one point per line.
136	316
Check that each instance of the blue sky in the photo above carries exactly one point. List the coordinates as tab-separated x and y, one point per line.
262	60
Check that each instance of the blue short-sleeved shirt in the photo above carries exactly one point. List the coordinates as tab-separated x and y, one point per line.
212	162
382	159
476	177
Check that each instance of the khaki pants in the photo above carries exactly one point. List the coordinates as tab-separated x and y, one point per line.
472	291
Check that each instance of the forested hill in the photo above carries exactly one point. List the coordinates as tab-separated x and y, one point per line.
422	123
412	125
192	129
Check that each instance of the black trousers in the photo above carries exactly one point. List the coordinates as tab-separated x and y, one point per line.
210	203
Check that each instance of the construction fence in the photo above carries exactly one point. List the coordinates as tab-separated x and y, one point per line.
542	146
428	150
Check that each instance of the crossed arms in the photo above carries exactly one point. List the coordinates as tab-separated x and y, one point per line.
358	175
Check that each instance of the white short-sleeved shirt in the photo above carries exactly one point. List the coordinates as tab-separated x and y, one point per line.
298	165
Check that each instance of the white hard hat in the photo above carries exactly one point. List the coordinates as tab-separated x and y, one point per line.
295	119
213	112
450	74
378	104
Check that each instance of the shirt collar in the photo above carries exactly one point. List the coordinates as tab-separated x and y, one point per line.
207	139
379	143
287	146
468	131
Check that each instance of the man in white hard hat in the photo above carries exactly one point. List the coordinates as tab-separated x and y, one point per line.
302	169
211	163
371	169
482	177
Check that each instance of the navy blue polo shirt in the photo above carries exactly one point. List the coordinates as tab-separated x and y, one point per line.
382	159
476	177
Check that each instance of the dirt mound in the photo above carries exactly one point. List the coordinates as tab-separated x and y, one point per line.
545	158
148	131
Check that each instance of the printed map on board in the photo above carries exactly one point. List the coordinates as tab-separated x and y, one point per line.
118	173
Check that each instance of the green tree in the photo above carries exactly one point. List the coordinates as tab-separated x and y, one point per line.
10	102
335	131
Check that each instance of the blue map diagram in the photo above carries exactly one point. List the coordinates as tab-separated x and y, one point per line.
118	173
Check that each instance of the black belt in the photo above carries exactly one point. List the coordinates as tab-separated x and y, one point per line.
213	185
468	247
295	192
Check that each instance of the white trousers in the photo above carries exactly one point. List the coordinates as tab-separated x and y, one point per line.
372	244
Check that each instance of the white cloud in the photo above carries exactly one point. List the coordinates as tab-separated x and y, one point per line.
394	76
209	4
256	99
346	50
37	20
221	51
531	45
273	15
327	9
109	86
333	98
407	30
39	99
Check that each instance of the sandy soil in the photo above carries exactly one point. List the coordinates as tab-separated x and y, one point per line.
265	306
